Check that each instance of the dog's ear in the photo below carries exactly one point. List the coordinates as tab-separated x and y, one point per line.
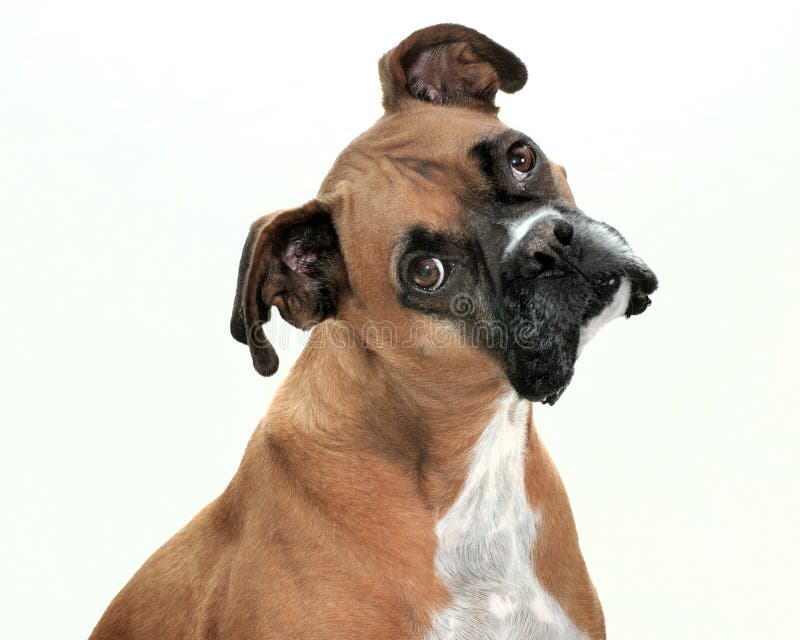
291	259
449	64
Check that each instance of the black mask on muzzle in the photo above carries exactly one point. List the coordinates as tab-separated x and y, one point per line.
563	275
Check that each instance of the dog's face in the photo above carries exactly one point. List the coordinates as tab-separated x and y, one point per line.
442	239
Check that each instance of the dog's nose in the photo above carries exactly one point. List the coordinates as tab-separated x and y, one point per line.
537	244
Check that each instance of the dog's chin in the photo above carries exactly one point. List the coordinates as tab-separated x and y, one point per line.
546	391
546	331
545	335
552	318
543	373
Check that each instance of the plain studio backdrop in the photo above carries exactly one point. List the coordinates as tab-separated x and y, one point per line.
138	141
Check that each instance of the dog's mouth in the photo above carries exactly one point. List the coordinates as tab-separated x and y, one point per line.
553	313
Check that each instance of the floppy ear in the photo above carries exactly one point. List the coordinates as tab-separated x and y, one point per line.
291	259
449	64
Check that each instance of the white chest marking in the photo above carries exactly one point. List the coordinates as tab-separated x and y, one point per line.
485	547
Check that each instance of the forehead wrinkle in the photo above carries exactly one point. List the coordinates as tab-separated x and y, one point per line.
413	168
416	169
363	166
429	131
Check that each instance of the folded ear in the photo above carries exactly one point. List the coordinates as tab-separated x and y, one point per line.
291	259
449	64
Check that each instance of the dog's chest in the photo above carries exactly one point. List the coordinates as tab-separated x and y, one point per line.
485	547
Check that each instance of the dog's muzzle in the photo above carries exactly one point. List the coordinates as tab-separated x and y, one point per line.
563	276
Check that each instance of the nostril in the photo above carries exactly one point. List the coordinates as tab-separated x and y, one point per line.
563	230
546	261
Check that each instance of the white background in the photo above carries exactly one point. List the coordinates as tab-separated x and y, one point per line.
137	142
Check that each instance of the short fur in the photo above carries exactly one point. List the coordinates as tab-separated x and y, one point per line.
396	487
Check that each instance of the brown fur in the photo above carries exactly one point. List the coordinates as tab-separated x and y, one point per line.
327	529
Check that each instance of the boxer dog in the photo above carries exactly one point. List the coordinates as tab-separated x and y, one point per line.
396	487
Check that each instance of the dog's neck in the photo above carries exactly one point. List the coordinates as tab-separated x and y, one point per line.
351	398
369	446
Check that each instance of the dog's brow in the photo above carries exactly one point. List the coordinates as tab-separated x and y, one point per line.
483	155
420	167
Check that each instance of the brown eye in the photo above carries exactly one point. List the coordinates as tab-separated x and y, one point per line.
521	158
427	273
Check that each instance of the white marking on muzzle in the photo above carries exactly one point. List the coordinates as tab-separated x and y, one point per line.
518	230
615	309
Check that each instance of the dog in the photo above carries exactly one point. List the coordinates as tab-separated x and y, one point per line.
397	487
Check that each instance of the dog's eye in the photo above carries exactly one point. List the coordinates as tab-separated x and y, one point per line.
427	273
521	158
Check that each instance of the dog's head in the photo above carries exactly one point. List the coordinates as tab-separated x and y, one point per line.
444	240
